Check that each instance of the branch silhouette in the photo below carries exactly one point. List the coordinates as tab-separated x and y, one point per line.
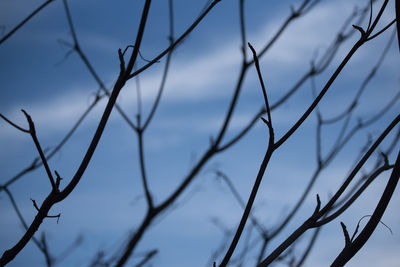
336	128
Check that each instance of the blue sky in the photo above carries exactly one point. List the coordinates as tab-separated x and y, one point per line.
108	202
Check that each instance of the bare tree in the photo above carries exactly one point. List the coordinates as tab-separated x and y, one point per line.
340	122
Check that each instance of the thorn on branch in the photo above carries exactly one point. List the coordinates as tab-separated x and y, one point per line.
35	205
121	60
361	30
318	207
30	122
269	125
265	121
346	235
47	216
58	180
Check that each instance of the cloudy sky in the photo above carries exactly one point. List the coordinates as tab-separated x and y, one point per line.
38	74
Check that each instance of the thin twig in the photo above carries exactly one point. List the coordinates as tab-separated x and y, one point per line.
32	132
36	163
257	65
8	35
350	250
56	196
177	41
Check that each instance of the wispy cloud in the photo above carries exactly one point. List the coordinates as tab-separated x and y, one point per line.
208	75
50	115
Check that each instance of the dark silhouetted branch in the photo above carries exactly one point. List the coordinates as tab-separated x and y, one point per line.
22	23
36	163
312	221
354	246
177	41
56	196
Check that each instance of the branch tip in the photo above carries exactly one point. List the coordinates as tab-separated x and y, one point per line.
318	207
46	216
34	204
30	121
361	30
58	179
264	120
346	234
121	60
